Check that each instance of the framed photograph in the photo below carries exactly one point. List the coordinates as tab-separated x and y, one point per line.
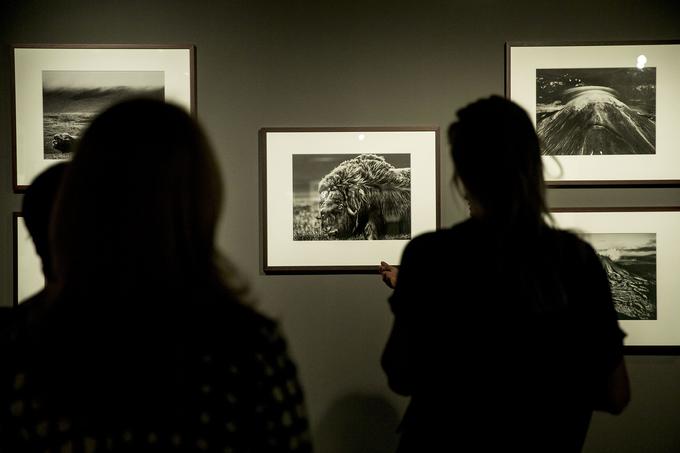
340	200
28	275
58	89
639	248
606	113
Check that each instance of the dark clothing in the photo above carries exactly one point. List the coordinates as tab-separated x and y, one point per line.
228	386
502	344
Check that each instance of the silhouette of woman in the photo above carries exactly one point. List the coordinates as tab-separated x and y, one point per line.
146	344
505	335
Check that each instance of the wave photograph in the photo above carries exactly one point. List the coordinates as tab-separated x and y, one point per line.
630	262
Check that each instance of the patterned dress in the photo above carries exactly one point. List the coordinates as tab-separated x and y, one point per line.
233	395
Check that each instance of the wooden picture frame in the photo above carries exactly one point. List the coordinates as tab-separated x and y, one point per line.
58	88
606	112
639	249
318	189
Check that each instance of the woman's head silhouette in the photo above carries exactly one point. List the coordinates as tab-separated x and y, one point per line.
497	162
139	204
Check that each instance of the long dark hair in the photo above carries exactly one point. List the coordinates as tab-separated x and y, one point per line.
137	273
497	162
138	206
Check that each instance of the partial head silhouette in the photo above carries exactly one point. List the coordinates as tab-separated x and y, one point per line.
497	162
37	207
139	284
139	205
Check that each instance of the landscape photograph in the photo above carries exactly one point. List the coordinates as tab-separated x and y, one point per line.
630	262
71	99
596	111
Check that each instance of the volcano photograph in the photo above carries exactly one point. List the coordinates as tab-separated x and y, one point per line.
596	111
71	99
630	262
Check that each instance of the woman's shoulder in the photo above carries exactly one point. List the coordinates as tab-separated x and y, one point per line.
458	232
236	317
571	246
574	240
433	246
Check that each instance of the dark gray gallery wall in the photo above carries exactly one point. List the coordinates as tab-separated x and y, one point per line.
331	63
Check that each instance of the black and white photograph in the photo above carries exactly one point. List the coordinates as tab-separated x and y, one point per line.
341	199
639	248
351	197
596	111
604	111
28	274
59	88
630	262
71	99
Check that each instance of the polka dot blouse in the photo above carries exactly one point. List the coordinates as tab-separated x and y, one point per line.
236	403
